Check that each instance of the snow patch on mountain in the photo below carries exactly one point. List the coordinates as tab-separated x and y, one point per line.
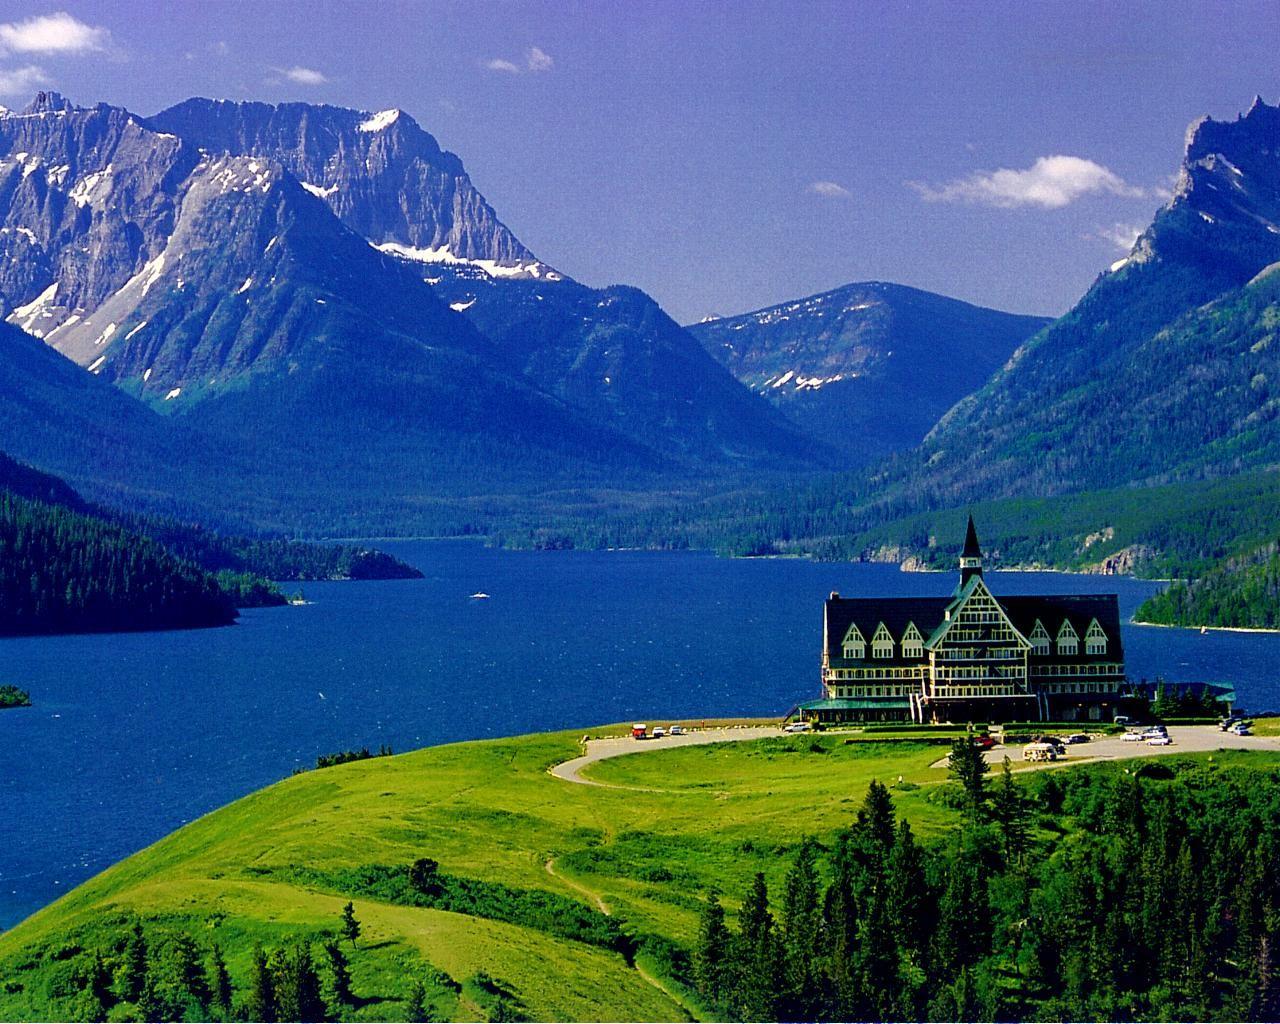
382	119
318	192
526	269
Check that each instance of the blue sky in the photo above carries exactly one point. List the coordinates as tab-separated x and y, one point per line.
727	156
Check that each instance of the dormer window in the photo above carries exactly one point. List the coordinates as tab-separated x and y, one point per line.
1068	640
912	642
854	646
1039	640
882	643
1095	641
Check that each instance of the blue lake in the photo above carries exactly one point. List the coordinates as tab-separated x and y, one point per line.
134	734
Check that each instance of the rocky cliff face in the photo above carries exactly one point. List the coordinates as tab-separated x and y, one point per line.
385	178
279	280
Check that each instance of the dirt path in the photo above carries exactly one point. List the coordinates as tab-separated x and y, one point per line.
618	746
598	900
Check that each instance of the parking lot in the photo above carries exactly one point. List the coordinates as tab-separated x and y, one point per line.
1187	739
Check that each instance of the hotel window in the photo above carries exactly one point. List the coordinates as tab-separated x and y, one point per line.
882	643
1068	640
1095	641
855	647
1039	640
912	643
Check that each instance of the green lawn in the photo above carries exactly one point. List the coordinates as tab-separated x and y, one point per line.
702	818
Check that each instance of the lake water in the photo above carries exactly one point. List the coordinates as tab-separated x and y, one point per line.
134	734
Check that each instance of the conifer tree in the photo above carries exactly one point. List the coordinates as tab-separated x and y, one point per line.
711	959
260	995
339	978
1010	813
801	934
757	960
418	1008
968	767
132	975
350	924
219	985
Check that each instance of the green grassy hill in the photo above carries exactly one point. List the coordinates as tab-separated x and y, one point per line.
486	888
270	867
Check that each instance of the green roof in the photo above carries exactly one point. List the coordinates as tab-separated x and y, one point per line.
854	704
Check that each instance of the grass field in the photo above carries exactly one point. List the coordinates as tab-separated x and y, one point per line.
672	826
710	817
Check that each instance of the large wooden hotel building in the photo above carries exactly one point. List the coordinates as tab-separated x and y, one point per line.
972	656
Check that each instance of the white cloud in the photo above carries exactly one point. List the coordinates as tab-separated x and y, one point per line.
1122	236
538	59
302	76
830	189
52	33
22	81
535	59
1051	182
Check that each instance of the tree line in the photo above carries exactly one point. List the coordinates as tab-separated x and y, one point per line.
1088	896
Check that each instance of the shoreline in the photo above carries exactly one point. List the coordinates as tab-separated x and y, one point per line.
1212	629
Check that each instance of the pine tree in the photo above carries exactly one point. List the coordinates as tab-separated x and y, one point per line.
757	960
968	767
418	1009
711	958
339	986
1011	814
260	996
801	934
132	975
350	924
219	985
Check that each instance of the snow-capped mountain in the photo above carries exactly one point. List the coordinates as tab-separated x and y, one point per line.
381	173
283	301
870	367
610	353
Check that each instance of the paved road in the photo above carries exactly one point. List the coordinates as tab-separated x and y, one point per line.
599	750
1187	739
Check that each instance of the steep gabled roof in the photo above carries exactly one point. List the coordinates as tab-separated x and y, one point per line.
971	547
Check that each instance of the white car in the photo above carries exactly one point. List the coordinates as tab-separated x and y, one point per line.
1131	737
676	730
1158	740
659	732
1156	733
1239	729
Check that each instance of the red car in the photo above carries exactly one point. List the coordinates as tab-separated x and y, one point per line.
984	742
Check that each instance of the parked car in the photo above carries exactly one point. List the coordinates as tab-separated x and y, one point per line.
676	730
1132	737
797	727
1158	740
983	742
1155	733
1241	729
1227	723
1078	737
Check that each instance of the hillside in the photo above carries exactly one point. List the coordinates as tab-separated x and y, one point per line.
484	887
65	572
1240	592
1164	370
868	367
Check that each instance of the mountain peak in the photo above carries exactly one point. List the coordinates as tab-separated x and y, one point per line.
379	121
48	102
